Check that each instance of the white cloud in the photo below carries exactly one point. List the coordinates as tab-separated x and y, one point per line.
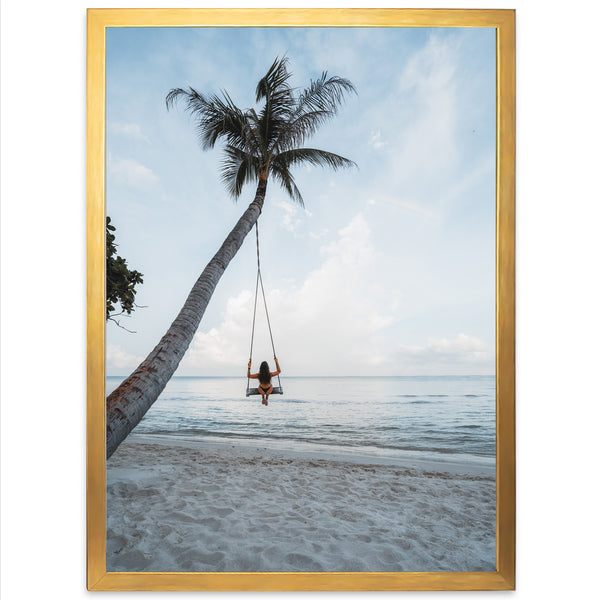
117	358
411	206
131	130
329	324
375	140
130	172
317	236
430	144
423	150
464	354
293	216
227	344
290	219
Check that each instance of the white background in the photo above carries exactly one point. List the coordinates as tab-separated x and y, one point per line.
43	297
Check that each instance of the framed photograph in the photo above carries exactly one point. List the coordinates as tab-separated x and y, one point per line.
300	369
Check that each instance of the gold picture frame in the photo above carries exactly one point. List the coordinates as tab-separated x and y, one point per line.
503	578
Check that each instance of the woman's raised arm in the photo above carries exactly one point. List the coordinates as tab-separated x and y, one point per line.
255	376
278	368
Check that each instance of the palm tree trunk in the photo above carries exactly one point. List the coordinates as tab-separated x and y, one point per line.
126	406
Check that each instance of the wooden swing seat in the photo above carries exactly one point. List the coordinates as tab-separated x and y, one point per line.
256	392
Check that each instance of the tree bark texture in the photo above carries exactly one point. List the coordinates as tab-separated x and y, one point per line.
126	406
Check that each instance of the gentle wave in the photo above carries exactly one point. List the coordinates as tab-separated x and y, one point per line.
313	440
441	396
241	398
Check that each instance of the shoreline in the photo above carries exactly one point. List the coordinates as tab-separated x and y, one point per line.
452	463
176	505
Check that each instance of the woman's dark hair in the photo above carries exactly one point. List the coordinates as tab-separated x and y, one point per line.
264	373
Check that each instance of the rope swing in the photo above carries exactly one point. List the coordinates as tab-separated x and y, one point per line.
254	391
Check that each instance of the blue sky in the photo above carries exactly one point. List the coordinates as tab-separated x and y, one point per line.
389	270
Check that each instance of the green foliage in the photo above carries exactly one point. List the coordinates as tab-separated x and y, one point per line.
268	141
120	281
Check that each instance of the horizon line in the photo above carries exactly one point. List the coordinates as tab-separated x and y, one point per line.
326	376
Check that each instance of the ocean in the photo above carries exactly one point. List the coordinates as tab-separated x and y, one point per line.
431	418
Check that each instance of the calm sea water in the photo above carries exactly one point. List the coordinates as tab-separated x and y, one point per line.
426	417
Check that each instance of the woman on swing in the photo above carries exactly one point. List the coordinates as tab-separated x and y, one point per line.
265	387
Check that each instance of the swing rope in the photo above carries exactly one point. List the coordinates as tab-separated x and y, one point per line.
259	280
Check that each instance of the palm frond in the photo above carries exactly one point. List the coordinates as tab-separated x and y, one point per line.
300	128
215	117
313	156
238	168
274	85
283	175
315	105
279	101
324	94
252	132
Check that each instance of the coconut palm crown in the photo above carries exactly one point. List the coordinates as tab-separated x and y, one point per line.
268	142
256	144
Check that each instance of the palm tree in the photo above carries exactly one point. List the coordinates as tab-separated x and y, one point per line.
257	145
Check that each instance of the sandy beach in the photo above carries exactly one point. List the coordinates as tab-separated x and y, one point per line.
178	505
